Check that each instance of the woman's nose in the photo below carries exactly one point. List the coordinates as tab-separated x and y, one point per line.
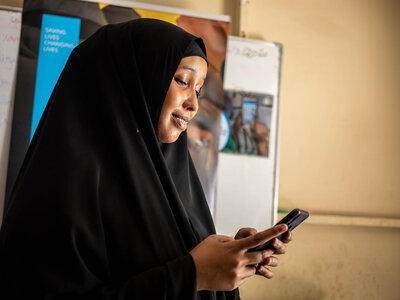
191	103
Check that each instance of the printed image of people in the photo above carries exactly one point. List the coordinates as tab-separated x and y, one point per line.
249	115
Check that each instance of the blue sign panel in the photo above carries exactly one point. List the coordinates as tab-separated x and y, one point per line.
59	36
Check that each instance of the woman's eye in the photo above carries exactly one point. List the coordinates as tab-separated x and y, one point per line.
198	92
180	82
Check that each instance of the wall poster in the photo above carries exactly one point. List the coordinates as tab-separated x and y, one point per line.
52	28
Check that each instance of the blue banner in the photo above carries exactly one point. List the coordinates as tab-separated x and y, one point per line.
59	36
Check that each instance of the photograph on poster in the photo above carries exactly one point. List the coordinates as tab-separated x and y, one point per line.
250	118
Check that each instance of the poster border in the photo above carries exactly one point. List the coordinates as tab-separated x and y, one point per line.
165	9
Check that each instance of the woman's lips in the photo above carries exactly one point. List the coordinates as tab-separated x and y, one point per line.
180	121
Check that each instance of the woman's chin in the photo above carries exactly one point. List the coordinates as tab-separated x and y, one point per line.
170	138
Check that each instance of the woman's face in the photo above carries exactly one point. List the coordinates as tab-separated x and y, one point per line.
180	104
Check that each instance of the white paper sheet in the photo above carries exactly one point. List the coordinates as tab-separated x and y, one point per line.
10	26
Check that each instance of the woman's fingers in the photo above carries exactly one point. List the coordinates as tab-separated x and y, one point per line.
288	236
250	271
271	261
245	232
257	257
223	263
264	271
279	246
223	238
260	237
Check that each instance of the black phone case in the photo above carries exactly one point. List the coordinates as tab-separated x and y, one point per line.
292	219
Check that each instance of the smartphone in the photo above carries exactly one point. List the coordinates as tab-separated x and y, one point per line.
292	220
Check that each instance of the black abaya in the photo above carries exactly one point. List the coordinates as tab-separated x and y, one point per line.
100	209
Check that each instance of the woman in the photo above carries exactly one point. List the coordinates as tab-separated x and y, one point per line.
107	204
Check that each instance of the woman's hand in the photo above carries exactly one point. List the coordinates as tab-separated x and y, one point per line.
260	133
270	261
223	263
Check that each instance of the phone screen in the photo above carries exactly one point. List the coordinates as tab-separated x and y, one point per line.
249	109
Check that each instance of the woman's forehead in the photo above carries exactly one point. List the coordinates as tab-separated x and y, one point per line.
194	64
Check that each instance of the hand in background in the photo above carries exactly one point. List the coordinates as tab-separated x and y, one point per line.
260	133
238	124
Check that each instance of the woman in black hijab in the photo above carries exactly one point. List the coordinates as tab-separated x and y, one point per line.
108	204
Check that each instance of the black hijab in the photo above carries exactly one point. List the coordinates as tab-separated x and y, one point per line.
101	209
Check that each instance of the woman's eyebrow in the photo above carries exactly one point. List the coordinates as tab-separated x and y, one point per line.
190	69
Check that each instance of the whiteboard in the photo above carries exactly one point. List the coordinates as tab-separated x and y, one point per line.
247	186
10	26
252	66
